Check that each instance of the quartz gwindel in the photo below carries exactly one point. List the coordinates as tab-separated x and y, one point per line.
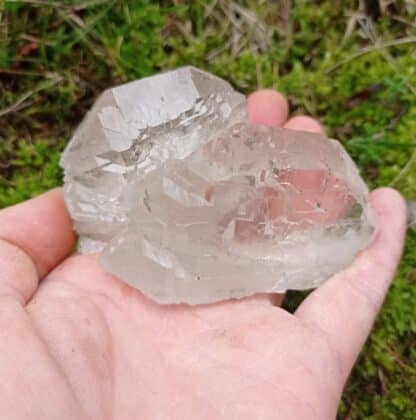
190	203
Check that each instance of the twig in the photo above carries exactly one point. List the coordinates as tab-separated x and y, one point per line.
85	5
21	101
20	72
396	42
405	170
210	8
36	2
370	32
217	51
88	3
405	21
19	104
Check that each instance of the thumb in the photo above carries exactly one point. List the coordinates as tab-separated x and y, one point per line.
345	307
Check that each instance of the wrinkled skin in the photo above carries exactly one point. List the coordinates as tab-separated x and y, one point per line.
76	343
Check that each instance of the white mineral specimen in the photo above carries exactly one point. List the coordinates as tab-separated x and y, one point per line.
190	203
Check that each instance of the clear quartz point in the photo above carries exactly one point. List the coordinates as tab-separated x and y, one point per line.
190	203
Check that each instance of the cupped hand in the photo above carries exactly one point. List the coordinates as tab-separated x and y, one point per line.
77	343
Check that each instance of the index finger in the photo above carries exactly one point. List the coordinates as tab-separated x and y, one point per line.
35	236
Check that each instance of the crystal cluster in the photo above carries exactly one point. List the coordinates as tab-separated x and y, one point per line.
190	203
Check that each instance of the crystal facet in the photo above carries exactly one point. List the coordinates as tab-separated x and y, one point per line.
191	203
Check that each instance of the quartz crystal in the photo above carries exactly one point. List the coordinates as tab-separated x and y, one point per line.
191	203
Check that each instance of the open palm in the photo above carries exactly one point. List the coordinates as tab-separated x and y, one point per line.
76	343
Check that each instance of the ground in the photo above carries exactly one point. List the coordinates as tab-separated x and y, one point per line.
351	64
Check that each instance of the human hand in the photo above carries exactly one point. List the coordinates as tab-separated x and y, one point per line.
76	343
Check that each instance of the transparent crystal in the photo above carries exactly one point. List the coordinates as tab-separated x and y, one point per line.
190	203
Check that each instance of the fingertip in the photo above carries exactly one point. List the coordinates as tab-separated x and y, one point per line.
41	227
54	201
267	107
54	209
304	123
388	198
390	220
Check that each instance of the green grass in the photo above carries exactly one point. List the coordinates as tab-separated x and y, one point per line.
326	56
